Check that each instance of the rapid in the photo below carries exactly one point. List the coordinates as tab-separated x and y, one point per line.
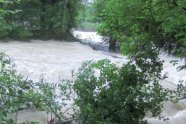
55	59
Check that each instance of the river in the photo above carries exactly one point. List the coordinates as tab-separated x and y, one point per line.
56	59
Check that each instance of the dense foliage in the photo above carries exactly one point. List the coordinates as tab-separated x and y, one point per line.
3	11
39	18
105	93
144	25
108	94
12	90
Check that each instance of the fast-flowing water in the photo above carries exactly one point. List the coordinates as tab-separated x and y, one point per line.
50	58
54	59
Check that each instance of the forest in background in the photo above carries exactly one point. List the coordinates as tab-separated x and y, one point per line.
144	29
38	18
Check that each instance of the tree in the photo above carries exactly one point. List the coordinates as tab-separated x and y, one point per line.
5	28
153	24
100	7
108	94
42	18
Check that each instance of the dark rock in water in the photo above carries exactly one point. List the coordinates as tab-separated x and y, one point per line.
95	45
102	46
97	42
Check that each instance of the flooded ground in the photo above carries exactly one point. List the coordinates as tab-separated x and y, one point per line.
54	59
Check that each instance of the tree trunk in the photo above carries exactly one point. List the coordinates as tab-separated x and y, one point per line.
42	15
112	45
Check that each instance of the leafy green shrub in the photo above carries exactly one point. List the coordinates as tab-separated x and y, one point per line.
13	89
55	97
108	94
17	94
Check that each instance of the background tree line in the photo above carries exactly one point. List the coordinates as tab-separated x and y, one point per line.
38	18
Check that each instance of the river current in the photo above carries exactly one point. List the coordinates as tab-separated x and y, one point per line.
55	59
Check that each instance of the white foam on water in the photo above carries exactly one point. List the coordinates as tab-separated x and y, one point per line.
88	36
55	59
52	59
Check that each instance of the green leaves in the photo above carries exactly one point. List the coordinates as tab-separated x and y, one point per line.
137	22
17	94
38	18
110	94
12	90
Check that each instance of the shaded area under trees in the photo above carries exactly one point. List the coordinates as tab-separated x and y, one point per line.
39	18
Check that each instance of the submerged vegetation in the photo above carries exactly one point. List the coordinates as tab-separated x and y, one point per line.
103	92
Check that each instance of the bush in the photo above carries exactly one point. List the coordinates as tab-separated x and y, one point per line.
108	94
13	89
17	94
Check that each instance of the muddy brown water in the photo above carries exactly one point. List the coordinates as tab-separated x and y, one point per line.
54	59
